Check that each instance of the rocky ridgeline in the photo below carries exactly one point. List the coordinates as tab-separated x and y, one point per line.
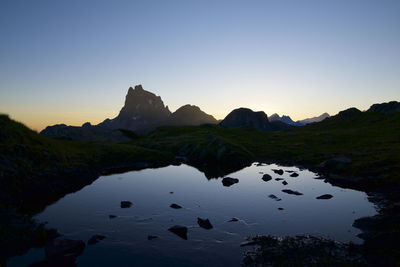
142	112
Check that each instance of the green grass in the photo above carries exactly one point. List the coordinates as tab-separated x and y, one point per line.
29	159
370	140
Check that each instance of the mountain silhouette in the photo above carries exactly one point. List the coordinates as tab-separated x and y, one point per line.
190	115
142	112
387	108
286	119
245	117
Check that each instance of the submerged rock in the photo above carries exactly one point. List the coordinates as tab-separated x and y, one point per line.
228	181
112	216
95	239
204	223
64	251
326	196
291	192
234	219
126	204
280	208
266	177
280	171
175	206
274	197
295	174
179	230
151	237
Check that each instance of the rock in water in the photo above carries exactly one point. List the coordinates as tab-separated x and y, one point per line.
266	177
151	237
284	183
234	219
278	179
280	171
112	216
291	192
274	197
228	181
204	223
95	239
295	174
326	196
126	204
64	251
179	230
175	206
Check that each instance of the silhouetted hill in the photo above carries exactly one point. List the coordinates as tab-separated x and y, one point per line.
387	108
190	115
244	117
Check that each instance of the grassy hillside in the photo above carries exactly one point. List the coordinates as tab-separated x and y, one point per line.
29	161
362	146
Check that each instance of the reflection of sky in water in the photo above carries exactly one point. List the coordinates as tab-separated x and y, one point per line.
84	213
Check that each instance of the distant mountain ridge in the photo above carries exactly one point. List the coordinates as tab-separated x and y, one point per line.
144	111
288	120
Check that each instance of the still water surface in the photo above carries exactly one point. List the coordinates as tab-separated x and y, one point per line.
85	213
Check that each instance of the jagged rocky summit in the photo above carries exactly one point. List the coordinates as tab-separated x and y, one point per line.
142	112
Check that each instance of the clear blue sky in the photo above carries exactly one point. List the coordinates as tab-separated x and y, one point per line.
73	61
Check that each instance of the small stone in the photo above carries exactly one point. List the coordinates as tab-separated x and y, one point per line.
204	223
266	177
95	239
274	197
291	192
326	196
179	230
126	204
228	181
280	171
284	183
175	206
295	174
151	237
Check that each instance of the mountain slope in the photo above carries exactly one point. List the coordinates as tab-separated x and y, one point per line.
244	117
190	115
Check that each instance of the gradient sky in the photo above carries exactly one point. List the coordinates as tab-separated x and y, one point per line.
73	61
